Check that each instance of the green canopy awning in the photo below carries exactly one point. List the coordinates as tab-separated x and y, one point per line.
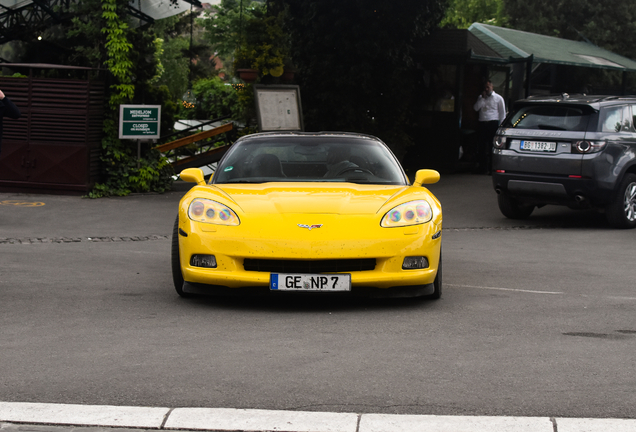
516	45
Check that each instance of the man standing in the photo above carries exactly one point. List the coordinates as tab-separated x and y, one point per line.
8	109
492	111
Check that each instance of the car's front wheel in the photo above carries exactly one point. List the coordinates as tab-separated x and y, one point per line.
437	283
512	209
177	276
621	213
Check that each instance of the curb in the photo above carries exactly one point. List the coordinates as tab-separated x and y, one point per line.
255	420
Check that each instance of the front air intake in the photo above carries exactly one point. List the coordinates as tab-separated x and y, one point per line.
313	266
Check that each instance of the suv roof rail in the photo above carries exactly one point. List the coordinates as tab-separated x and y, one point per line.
577	97
562	95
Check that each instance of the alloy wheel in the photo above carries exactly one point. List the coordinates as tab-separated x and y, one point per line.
630	202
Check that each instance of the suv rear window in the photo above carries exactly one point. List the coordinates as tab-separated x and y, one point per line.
549	117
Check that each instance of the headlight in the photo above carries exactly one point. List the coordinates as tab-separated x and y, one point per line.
212	212
410	213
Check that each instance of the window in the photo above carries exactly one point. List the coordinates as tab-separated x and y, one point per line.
549	117
612	119
309	159
628	120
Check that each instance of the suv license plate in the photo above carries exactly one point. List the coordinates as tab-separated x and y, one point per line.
309	282
538	146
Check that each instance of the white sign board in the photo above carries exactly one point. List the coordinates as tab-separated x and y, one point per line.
278	108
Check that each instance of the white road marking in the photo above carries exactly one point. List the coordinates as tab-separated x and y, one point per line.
230	419
86	415
431	423
595	425
255	420
540	292
610	297
506	289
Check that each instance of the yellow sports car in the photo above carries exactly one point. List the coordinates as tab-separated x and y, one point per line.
309	212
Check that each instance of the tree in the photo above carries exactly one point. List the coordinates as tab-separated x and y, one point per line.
103	38
356	61
610	24
245	34
175	36
462	13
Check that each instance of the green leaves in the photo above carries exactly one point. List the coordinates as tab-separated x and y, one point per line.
123	171
609	24
118	49
250	35
462	13
225	25
214	99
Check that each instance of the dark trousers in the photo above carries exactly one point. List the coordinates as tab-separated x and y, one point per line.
486	133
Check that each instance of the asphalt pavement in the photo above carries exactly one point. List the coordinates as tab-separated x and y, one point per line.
469	203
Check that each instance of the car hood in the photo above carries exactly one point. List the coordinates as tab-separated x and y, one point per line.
320	198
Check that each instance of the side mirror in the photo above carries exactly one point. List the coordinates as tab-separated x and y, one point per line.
193	175
426	176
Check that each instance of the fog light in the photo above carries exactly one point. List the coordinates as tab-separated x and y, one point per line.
415	262
208	261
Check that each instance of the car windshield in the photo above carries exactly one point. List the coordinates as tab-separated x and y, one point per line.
549	117
309	159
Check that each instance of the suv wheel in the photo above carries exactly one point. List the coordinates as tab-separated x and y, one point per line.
621	213
512	209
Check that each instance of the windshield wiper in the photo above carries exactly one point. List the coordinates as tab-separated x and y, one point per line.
242	182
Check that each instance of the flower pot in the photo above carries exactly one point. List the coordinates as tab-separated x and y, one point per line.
248	75
287	76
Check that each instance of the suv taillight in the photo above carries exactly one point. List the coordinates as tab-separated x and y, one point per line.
585	147
499	141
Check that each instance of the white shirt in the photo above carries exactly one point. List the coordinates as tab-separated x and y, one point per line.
491	108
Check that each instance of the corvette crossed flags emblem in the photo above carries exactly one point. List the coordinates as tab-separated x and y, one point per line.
309	227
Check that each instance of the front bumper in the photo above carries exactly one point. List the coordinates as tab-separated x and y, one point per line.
357	239
356	291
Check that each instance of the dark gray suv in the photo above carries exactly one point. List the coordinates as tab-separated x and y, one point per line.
578	151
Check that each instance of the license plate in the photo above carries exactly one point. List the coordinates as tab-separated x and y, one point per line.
310	282
538	146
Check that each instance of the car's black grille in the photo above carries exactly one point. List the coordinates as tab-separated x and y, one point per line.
314	266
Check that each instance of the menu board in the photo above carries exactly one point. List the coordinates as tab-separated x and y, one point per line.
278	108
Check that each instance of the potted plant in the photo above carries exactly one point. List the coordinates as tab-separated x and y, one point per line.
288	73
264	49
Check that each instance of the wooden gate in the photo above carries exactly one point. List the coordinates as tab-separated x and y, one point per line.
55	146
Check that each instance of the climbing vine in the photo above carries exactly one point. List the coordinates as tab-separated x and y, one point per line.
123	172
118	49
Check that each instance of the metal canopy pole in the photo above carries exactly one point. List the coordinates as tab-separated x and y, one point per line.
529	73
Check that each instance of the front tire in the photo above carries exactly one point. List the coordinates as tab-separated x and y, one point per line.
177	276
437	283
621	213
512	209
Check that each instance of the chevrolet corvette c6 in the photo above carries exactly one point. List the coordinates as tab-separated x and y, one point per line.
309	212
